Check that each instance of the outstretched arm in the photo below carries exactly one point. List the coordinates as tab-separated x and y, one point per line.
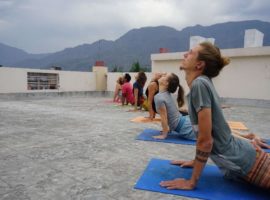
124	94
204	143
203	149
136	96
164	123
116	90
151	92
123	99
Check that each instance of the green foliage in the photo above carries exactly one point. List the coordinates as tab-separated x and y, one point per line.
117	69
136	67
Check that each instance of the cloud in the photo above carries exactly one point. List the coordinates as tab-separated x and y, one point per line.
52	25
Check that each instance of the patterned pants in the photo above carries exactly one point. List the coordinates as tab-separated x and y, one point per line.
260	172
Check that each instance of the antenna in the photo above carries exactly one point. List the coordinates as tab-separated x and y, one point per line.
99	62
99	50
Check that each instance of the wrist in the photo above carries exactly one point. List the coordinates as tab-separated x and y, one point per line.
192	183
165	132
166	129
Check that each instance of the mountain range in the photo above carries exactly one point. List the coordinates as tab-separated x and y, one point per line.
135	45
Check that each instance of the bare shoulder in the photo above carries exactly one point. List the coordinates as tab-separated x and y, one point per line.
152	86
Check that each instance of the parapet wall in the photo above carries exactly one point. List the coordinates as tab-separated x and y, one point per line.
15	80
246	77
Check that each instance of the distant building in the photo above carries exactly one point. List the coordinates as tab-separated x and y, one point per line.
253	38
195	40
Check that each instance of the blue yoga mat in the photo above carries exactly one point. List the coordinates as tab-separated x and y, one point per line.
267	150
147	135
211	185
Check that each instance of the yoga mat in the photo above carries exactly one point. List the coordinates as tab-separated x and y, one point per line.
142	119
211	184
268	142
237	125
232	124
147	135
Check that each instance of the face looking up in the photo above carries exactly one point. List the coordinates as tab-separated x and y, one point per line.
190	61
157	76
164	79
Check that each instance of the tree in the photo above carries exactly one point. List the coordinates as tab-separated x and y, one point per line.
135	67
117	69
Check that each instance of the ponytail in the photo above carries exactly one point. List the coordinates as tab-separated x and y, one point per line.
180	96
174	83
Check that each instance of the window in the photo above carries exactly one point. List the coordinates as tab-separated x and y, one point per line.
42	81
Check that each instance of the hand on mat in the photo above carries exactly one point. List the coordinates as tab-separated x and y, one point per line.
183	163
161	137
179	183
150	118
152	115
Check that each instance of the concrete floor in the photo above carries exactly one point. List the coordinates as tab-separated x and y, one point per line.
80	147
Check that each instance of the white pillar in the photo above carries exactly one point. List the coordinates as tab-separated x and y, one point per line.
253	38
101	76
195	40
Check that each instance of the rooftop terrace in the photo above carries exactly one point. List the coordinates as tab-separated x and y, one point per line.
80	147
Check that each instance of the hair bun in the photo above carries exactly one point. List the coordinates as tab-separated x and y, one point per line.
225	61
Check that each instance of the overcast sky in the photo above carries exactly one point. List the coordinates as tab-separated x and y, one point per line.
43	26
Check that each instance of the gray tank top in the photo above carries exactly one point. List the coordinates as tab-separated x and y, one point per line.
165	99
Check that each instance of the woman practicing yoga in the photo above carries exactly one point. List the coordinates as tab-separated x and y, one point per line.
172	121
138	90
